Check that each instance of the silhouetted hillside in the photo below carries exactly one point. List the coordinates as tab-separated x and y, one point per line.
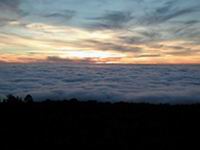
72	124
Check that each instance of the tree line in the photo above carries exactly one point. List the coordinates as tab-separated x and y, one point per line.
16	99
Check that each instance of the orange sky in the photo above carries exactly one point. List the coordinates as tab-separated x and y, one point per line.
98	47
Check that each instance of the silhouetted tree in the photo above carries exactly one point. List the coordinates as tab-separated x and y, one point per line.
13	99
28	99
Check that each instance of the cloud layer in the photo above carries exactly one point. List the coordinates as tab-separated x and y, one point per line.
131	27
133	83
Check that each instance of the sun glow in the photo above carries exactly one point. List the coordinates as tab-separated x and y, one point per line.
77	54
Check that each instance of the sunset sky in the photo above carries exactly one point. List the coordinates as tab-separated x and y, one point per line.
100	31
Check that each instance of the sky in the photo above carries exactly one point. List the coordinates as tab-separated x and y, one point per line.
100	31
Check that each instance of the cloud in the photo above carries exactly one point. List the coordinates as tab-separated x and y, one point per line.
133	83
112	20
102	45
185	52
131	39
55	59
150	34
177	50
142	37
191	22
125	27
167	12
8	4
148	55
4	21
10	11
59	18
67	15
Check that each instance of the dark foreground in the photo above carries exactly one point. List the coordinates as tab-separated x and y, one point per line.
71	124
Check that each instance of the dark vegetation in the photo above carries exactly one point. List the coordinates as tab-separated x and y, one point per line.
25	124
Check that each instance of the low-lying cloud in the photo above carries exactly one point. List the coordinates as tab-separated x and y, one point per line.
132	83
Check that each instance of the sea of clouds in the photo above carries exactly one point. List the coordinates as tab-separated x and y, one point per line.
133	83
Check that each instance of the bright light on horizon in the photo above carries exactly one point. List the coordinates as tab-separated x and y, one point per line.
80	54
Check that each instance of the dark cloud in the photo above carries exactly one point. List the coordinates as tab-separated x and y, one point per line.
191	22
141	37
11	7
4	21
180	53
148	55
66	15
182	27
175	50
165	47
10	11
150	34
112	20
185	23
167	12
112	46
178	50
175	47
131	39
56	59
166	7
189	32
12	4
